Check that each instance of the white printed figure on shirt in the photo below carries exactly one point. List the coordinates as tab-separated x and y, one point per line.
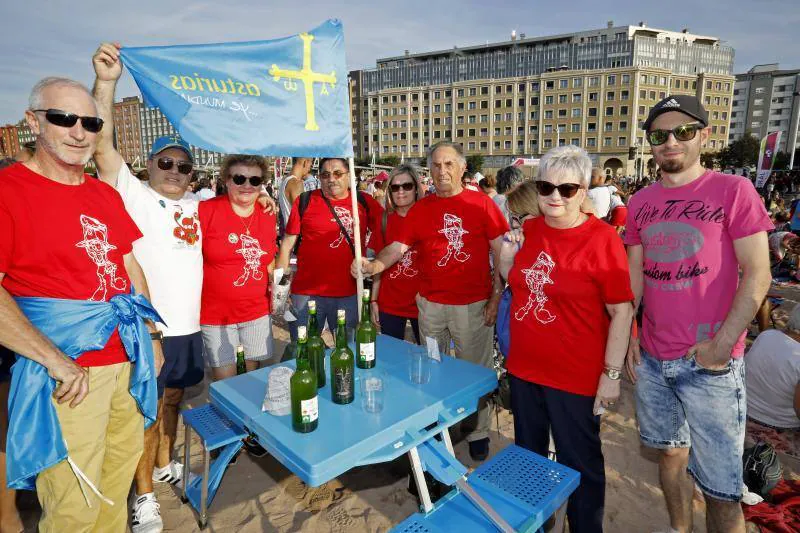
347	222
405	267
95	242
536	277
251	252
454	232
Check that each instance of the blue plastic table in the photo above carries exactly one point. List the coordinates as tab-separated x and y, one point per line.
347	436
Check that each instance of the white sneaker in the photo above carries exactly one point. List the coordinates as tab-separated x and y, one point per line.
172	474
146	515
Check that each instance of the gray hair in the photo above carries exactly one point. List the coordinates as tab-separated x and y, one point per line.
508	178
36	101
567	158
447	144
793	324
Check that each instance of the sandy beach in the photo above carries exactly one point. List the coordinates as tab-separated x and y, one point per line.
259	495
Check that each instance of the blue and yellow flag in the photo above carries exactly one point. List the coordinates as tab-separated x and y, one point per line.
287	96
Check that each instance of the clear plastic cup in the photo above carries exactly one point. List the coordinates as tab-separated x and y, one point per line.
419	365
373	391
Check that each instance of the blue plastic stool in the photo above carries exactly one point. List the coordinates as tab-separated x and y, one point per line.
523	488
215	431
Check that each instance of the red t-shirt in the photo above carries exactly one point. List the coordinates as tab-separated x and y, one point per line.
324	257
65	241
560	282
235	277
400	283
452	235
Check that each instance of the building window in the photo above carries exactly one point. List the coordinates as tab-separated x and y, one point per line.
549	85
591	142
592	111
607	141
460	93
562	98
576	128
577	82
621	141
609	111
626	79
591	127
576	112
576	98
610	96
623	126
592	97
594	81
624	95
471	119
548	143
611	79
548	128
548	100
535	100
563	84
608	126
562	113
534	86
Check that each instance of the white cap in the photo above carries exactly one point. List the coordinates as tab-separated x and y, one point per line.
366	294
239	348
301	332
312	305
340	314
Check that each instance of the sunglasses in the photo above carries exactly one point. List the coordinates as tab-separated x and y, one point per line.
239	179
336	174
166	163
67	120
516	220
566	190
684	132
407	186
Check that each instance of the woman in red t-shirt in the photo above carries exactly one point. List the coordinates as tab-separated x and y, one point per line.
571	318
238	256
394	292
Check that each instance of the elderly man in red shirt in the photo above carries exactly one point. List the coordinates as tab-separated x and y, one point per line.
454	230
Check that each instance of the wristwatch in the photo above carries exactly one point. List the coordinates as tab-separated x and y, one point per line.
157	335
612	373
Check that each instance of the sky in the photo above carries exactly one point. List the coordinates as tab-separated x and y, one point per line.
57	38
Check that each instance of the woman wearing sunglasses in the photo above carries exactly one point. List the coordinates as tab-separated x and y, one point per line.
570	322
395	291
238	256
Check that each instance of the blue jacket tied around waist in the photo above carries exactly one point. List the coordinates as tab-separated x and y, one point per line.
35	442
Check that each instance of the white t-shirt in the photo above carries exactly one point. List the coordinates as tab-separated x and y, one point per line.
206	194
772	372
605	199
170	252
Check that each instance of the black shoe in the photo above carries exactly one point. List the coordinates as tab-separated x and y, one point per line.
254	448
436	489
479	449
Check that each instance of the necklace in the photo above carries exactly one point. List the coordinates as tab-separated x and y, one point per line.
246	226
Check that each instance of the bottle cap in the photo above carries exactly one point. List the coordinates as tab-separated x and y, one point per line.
366	294
239	348
301	332
340	314
312	306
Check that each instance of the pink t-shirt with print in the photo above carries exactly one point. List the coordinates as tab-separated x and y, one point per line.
690	267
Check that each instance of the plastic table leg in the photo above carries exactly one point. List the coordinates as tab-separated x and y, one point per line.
419	479
186	443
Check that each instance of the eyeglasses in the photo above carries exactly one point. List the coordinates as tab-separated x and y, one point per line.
566	190
336	174
166	163
255	181
684	132
407	186
516	220
67	120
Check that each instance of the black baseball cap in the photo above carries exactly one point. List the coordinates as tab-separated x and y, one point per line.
686	104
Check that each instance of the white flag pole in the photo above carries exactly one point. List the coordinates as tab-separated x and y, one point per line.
356	234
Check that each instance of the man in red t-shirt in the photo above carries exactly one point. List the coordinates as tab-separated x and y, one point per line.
78	248
454	230
325	251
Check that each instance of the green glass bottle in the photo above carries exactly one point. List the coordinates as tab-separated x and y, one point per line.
303	389
241	367
342	371
315	345
365	336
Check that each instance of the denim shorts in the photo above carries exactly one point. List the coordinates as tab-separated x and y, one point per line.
680	404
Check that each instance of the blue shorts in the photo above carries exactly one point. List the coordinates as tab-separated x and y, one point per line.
327	308
183	362
680	404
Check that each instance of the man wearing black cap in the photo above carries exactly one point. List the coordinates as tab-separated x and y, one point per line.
688	236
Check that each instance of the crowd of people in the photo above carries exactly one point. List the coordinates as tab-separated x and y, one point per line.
140	283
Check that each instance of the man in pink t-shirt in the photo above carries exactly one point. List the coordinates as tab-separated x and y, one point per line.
688	236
